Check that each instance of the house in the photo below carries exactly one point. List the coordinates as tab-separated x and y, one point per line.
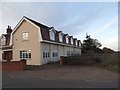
40	44
5	47
0	50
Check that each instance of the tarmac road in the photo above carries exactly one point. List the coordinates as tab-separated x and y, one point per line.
55	76
46	83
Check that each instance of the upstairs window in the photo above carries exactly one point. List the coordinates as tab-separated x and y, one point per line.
25	35
60	37
67	39
79	44
71	40
76	42
3	41
52	35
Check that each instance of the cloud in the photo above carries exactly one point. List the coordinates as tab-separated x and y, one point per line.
73	18
12	13
109	26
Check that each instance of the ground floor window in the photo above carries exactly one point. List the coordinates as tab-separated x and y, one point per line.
46	54
54	54
25	54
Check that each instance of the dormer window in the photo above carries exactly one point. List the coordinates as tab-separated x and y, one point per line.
52	34
67	39
60	37
71	40
3	41
76	42
79	44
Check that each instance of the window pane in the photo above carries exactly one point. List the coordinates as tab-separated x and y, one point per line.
29	55
53	54
46	54
20	54
43	54
52	35
26	55
23	55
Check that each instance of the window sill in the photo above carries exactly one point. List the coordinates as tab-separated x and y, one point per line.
24	40
25	59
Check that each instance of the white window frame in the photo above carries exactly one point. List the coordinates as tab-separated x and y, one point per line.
54	54
71	40
25	54
79	44
60	37
52	35
67	39
25	36
3	41
46	55
76	42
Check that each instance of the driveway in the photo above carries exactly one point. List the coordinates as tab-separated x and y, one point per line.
57	76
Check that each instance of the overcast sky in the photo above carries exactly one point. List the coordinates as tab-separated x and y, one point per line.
98	19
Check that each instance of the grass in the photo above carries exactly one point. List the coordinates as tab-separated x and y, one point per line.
107	61
113	68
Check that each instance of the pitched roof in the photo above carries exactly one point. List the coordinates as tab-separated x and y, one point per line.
37	23
45	33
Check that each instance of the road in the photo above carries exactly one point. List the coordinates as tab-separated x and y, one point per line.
53	76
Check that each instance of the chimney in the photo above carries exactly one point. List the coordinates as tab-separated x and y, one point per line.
9	30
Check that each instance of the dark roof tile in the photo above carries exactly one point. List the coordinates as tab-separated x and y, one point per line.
45	33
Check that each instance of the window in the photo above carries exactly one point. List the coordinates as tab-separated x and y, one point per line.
25	54
68	53
71	40
76	42
54	54
80	44
67	41
46	54
60	37
3	41
25	35
52	35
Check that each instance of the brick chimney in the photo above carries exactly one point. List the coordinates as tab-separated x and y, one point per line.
9	30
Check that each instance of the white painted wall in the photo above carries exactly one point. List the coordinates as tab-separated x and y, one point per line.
60	49
1	54
45	48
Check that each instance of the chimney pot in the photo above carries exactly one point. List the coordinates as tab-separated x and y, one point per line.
9	30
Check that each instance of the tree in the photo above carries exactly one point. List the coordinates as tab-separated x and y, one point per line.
108	50
90	44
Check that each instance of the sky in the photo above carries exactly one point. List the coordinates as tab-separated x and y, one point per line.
98	19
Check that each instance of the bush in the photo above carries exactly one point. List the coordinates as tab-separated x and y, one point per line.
81	60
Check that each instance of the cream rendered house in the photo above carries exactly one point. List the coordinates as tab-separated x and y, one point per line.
40	44
1	53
